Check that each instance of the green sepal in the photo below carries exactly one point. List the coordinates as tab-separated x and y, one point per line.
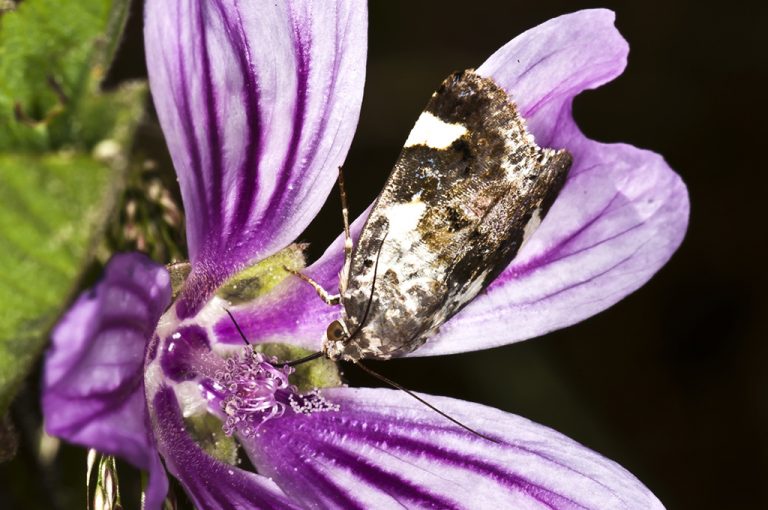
206	431
258	279
178	273
319	373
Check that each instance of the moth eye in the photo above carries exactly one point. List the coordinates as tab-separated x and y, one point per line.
335	331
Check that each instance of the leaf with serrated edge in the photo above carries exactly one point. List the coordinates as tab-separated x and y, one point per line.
53	57
65	143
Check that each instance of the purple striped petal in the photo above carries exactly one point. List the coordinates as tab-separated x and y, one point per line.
587	255
211	484
384	450
93	392
544	68
620	217
292	312
258	102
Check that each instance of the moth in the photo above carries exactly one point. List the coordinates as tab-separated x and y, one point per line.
469	187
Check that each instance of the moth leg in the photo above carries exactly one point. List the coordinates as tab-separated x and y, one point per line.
344	276
331	299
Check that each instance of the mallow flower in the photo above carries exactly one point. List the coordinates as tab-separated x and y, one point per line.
259	102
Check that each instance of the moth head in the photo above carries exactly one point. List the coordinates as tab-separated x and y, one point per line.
336	338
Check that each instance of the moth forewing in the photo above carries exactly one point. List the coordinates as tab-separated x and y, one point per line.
468	188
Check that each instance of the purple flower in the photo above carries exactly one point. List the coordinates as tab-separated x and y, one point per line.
258	104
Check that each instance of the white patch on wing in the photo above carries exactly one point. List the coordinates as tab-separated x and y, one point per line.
403	218
531	226
520	144
433	132
403	253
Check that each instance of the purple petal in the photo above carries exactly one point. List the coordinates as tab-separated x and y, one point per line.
620	217
382	449
211	484
93	392
157	484
292	312
587	255
258	102
544	68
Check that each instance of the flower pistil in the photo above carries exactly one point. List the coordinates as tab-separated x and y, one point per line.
255	389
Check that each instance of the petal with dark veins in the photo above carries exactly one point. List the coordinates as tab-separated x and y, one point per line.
621	215
93	382
210	483
258	102
383	449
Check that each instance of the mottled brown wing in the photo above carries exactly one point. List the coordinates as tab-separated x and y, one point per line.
468	187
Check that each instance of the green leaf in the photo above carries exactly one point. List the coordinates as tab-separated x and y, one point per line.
53	56
51	207
65	146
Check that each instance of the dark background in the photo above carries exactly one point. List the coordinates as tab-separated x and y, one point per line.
670	382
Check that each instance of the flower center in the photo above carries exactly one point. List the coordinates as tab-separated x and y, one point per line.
254	391
252	387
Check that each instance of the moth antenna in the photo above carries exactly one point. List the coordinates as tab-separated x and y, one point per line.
398	386
310	357
319	354
242	335
345	217
373	286
288	364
